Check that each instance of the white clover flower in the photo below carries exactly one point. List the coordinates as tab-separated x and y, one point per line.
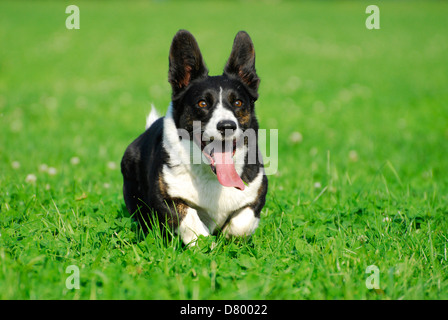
52	171
112	165
31	178
74	161
353	156
296	137
15	164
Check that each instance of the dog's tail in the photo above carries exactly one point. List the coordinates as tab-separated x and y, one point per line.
152	117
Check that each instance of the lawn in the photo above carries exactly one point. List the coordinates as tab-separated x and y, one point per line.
362	120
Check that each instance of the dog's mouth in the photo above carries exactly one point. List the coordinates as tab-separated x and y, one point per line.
220	154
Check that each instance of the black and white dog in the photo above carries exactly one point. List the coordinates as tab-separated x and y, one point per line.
199	168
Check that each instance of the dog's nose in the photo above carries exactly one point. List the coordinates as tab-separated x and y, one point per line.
226	124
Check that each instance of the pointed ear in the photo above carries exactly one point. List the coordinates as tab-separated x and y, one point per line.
185	62
241	63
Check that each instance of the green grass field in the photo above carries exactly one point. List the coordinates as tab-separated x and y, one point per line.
362	119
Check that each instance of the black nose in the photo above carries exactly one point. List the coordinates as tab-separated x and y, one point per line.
226	124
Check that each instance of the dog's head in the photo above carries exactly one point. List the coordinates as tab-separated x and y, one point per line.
222	105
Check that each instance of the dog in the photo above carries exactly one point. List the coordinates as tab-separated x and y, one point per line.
197	170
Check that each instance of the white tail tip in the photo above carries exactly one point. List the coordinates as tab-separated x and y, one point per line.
152	117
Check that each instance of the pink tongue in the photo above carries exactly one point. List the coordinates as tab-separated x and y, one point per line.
225	170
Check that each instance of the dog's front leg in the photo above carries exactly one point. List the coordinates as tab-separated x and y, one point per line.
191	227
242	224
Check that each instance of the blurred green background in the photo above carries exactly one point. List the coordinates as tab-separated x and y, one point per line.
363	127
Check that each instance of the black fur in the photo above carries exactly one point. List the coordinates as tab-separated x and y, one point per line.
141	168
185	62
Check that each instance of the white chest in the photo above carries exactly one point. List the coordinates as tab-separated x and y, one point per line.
200	188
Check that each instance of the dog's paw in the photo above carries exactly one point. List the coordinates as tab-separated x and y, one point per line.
191	227
243	224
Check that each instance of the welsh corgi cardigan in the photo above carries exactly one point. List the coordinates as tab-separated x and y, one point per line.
199	169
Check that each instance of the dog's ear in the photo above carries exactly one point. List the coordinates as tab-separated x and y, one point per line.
242	63
185	62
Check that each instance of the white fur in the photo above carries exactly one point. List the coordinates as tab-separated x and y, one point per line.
152	117
198	185
192	227
178	150
242	224
220	113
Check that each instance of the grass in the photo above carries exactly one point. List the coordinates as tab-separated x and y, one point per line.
362	172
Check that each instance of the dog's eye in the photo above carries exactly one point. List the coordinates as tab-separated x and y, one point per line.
238	103
202	104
